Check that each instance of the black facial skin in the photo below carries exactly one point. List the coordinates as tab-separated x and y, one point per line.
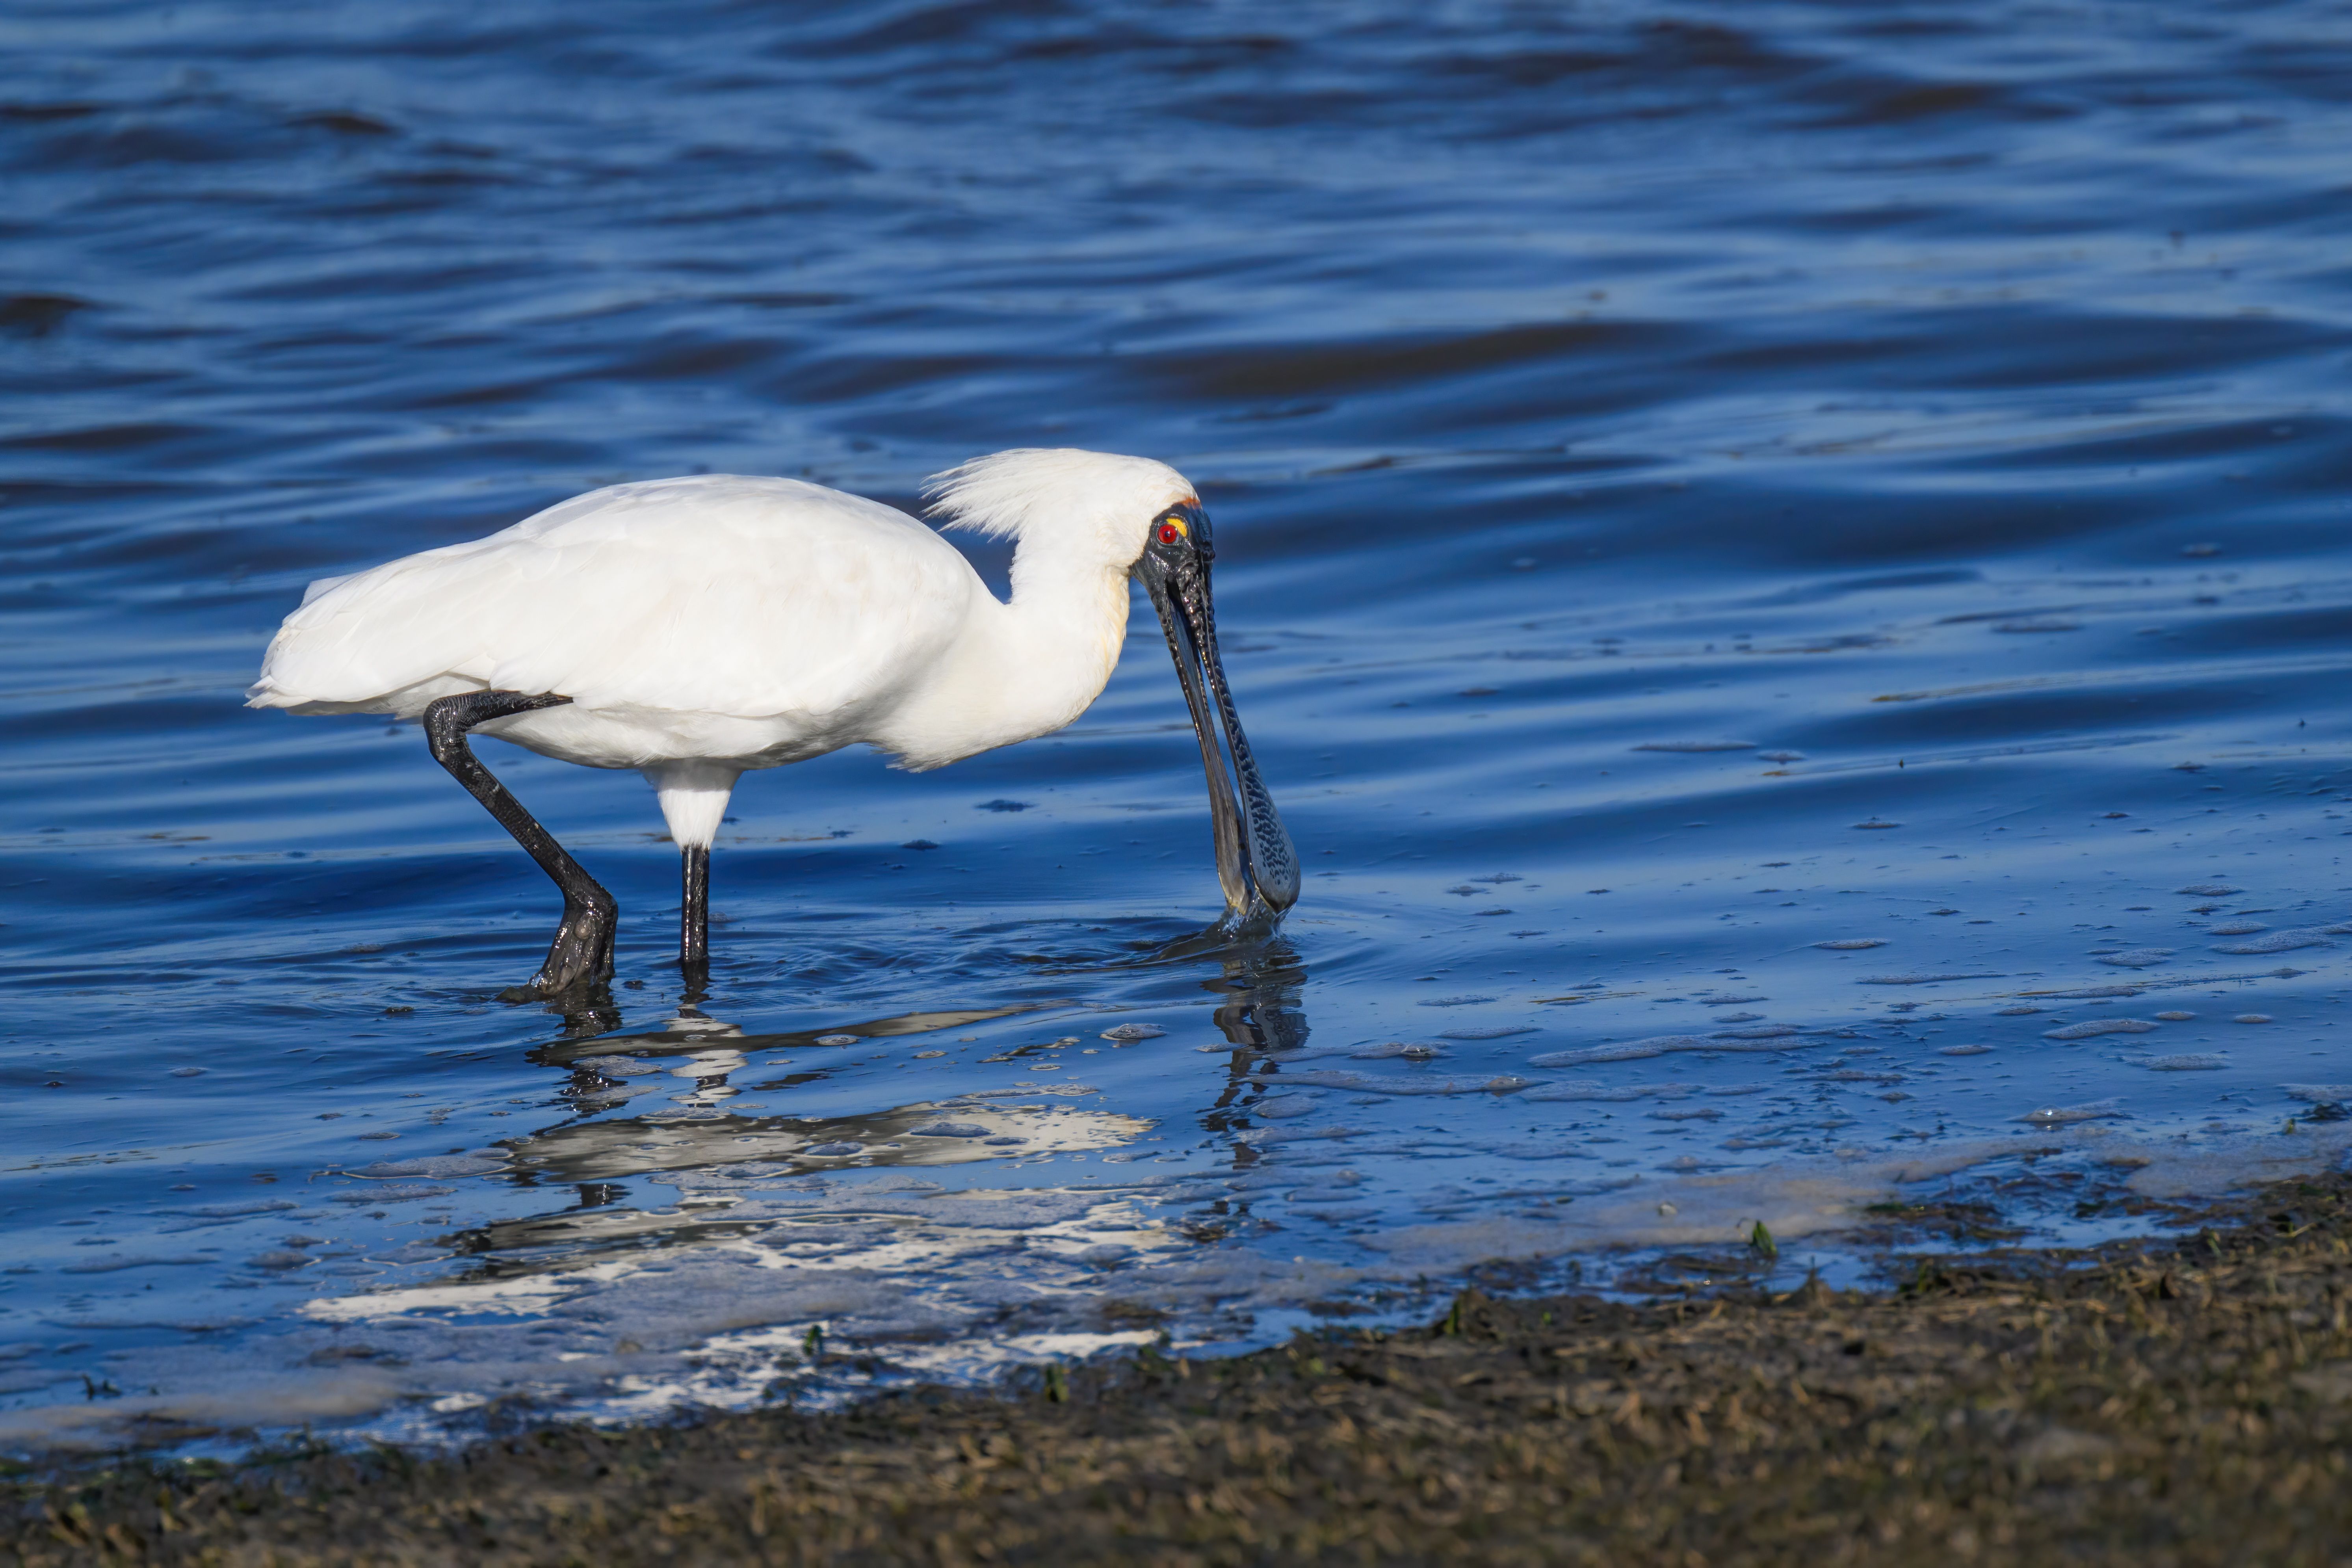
1257	865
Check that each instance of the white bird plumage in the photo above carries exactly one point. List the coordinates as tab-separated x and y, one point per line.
703	627
720	621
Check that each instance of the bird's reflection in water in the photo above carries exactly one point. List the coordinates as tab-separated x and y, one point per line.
691	1030
706	1053
602	1065
1259	981
928	1132
1260	1018
698	1056
688	1071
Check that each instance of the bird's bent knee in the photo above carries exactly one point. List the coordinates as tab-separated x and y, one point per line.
446	724
449	719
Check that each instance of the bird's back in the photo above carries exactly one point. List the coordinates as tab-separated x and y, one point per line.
715	595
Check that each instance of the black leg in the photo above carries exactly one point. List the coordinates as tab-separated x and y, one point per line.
694	914
581	952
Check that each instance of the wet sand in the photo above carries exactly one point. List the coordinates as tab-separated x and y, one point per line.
2180	1400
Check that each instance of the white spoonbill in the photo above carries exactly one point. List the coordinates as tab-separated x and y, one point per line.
695	628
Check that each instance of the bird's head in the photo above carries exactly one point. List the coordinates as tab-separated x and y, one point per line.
1144	517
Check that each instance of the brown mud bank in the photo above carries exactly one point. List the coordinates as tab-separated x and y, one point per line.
2185	1400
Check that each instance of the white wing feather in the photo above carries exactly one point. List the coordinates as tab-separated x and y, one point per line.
717	594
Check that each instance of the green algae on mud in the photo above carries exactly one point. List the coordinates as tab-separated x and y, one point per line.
2181	1401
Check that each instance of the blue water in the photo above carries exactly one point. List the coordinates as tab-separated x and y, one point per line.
1925	422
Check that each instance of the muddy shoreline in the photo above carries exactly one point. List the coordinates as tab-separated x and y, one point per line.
2184	1399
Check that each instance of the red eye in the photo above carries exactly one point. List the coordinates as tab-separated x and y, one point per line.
1168	534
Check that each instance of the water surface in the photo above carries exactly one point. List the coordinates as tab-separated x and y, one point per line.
1779	560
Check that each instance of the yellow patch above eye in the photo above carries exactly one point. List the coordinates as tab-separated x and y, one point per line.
1178	523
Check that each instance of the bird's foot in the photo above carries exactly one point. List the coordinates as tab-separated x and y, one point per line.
579	961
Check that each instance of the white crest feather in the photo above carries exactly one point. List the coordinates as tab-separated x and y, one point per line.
1004	494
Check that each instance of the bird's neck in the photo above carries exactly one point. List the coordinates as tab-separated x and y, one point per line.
1061	635
1023	668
